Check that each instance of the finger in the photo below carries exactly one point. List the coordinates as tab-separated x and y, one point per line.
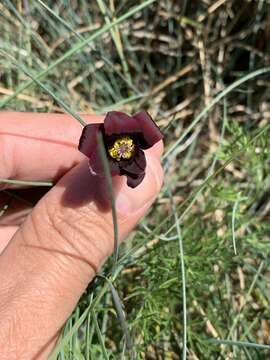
62	244
16	204
39	146
6	233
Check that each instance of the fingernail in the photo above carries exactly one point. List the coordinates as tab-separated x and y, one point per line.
130	200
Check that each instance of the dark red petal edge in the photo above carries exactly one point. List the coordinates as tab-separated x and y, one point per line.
88	139
136	165
150	132
117	122
134	181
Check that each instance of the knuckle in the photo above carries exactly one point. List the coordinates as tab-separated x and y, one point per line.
82	230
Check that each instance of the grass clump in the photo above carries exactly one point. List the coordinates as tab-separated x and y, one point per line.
196	67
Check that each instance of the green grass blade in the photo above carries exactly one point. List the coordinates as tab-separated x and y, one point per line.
77	325
183	272
62	21
220	96
121	316
239	343
77	47
26	182
107	173
48	91
233	226
100	337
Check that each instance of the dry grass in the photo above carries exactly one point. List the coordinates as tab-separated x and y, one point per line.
173	61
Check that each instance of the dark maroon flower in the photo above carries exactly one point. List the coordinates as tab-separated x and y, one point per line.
125	137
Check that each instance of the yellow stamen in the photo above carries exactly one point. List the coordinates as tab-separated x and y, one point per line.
123	148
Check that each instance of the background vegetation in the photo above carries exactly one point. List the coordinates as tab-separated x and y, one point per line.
194	277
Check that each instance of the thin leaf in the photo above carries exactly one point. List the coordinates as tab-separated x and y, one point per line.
121	316
78	46
100	337
220	96
105	163
239	343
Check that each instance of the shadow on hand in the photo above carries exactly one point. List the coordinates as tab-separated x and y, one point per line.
17	201
82	187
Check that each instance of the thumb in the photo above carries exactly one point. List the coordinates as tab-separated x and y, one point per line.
58	250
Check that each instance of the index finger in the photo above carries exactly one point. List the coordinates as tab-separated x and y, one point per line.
41	146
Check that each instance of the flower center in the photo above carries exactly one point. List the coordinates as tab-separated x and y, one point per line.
122	148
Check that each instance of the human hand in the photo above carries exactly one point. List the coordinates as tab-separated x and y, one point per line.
50	255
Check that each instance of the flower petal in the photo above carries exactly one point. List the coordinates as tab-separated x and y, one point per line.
133	181
150	132
88	139
114	167
117	122
96	165
136	165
